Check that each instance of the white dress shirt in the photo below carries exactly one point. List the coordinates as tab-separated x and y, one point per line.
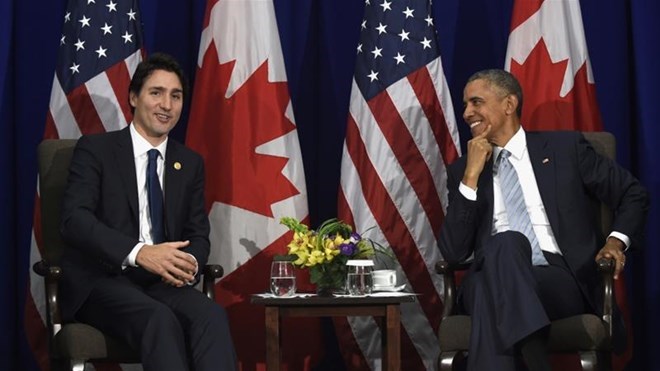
520	160
140	148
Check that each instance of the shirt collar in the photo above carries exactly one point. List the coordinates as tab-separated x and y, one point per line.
516	145
141	145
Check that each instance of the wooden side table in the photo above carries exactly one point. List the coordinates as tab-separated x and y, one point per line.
314	306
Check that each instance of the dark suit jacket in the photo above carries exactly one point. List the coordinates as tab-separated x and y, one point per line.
100	210
569	174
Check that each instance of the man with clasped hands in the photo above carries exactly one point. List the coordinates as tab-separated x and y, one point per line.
130	268
539	265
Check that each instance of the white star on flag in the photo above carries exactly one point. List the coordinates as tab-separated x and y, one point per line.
128	38
84	21
101	52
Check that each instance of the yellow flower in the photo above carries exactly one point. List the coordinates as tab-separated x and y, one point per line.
315	257
331	252
328	244
299	241
302	257
325	250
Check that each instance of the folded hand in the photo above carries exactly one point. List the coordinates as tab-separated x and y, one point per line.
176	267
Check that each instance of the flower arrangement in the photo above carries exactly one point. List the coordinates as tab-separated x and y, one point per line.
325	250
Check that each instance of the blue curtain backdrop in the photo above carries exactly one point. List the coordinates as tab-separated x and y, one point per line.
319	39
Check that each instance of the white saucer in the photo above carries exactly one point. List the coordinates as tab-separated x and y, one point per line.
389	288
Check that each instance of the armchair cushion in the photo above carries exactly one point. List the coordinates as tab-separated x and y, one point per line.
455	333
586	332
82	342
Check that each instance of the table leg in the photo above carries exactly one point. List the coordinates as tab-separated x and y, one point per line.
272	338
392	339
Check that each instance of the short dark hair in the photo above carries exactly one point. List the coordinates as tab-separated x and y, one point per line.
504	81
157	61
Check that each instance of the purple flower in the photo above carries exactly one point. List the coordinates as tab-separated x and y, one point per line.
355	237
347	249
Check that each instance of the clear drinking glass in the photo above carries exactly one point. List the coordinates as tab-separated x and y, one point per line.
282	279
359	281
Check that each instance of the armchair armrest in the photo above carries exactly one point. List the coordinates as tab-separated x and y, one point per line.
606	270
211	272
51	275
448	271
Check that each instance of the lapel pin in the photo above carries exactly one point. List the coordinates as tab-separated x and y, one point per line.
177	165
546	160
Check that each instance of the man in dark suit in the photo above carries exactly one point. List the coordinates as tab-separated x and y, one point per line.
537	265
135	254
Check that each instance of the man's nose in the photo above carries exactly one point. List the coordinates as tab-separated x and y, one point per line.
467	112
166	102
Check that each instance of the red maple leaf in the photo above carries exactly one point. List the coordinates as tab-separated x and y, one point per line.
543	107
226	133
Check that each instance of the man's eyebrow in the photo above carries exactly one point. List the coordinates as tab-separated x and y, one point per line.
162	88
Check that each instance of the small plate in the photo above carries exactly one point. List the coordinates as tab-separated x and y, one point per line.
390	288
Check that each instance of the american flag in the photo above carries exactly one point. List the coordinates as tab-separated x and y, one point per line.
400	136
100	47
99	51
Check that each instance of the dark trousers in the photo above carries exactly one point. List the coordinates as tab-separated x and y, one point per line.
173	328
508	299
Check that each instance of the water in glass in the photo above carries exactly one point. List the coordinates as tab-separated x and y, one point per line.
282	279
359	281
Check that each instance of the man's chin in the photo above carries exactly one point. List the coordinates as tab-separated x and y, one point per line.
478	130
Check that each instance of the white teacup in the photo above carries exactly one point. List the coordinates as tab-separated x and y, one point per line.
384	277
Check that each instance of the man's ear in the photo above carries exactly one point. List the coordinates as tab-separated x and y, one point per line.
132	98
511	102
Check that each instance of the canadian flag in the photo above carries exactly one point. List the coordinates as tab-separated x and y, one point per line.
547	52
242	124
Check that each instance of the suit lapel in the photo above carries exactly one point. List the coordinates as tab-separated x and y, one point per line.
545	165
126	166
173	179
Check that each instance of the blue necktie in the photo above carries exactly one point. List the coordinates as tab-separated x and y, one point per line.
155	196
514	202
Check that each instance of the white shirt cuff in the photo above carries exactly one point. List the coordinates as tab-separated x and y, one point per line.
467	192
196	269
625	239
130	259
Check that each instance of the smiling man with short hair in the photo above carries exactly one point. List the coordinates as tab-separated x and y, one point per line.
134	219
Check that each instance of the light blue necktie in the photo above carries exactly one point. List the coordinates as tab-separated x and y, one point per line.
514	201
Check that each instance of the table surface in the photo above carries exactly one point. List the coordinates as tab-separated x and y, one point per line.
342	300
